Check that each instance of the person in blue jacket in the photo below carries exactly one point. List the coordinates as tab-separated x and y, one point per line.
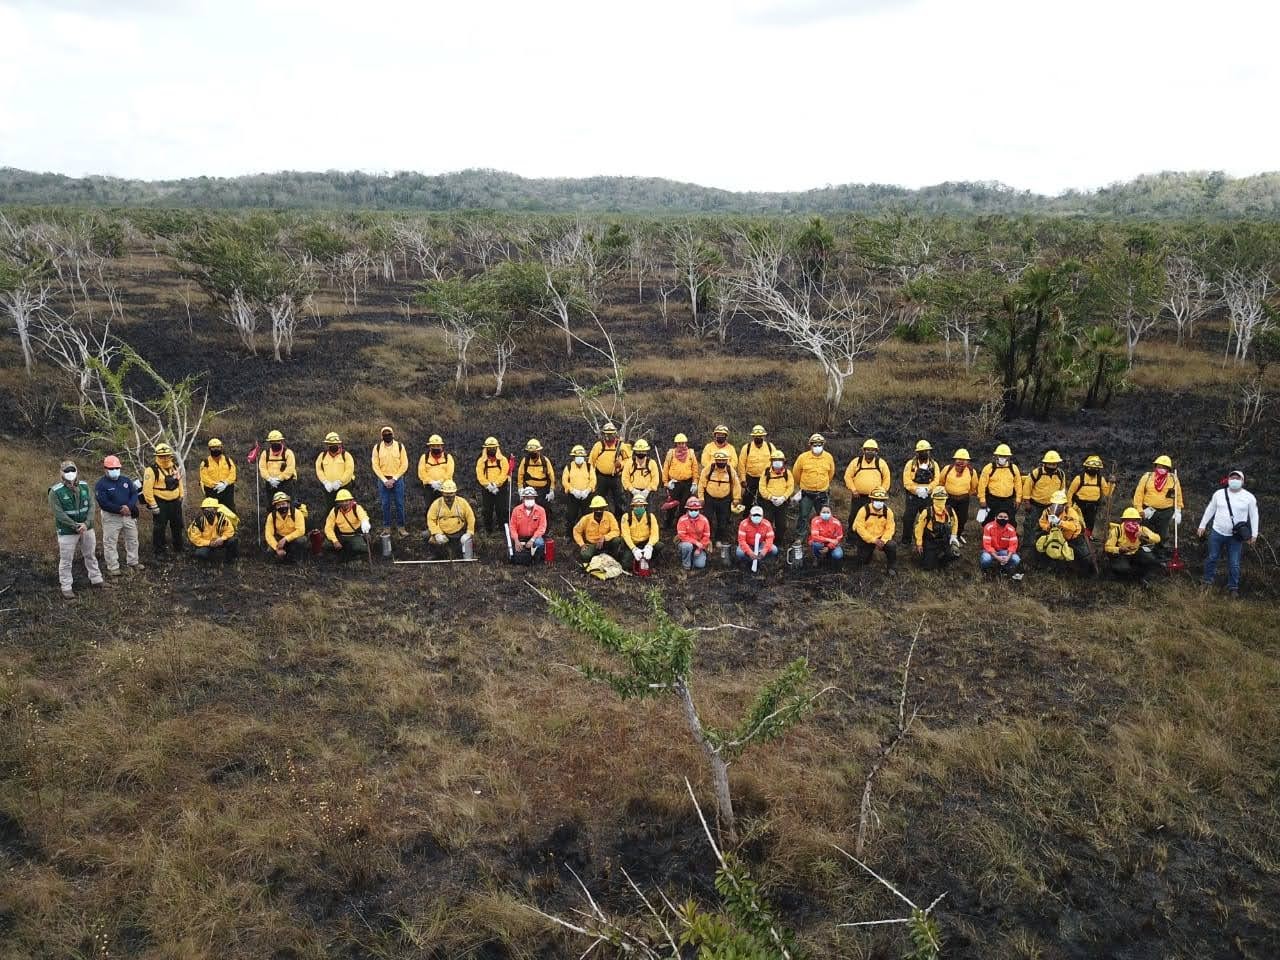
117	497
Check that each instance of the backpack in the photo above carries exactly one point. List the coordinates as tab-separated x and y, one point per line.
1054	545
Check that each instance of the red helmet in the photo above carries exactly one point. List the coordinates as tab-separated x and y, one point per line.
693	503
111	463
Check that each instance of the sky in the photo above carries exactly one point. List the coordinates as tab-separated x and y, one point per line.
748	95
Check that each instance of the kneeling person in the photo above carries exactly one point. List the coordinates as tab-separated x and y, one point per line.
755	538
1000	546
286	529
693	536
1062	529
527	528
451	524
873	528
213	532
347	526
640	530
826	534
597	532
1129	545
937	533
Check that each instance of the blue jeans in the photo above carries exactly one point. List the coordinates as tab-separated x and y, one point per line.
743	558
689	559
396	494
1235	548
836	554
987	561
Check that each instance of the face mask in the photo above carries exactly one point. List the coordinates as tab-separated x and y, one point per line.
598	514
282	510
758	441
1002	521
681	447
721	438
69	476
694	513
826	514
640	511
386	438
1131	527
436	451
1048	468
113	474
530	504
448	499
333	448
277	447
777	464
922	457
877	504
1161	471
757	518
817	450
579	460
1002	461
209	516
1091	471
490	452
216	453
1235	484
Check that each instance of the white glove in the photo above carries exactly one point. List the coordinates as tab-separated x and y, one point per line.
671	484
922	492
1146	548
1054	521
364	526
551	495
491	487
1177	517
220	486
796	498
465	539
693	489
274	481
777	501
955	541
1148	513
981	515
638	553
440	538
648	551
436	484
137	484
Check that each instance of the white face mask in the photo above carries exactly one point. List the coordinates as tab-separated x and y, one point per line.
579	460
826	514
757	517
529	504
1002	461
817	450
777	464
69	476
113	474
1235	484
694	513
877	504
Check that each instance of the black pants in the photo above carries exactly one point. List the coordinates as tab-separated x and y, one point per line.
716	510
858	503
430	495
750	487
170	518
865	551
1031	531
961	506
1133	565
574	510
680	493
997	504
227	497
451	549
1161	522
1089	510
229	551
493	508
284	486
294	551
910	510
776	516
610	487
937	553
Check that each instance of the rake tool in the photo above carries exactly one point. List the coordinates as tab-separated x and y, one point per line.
1176	564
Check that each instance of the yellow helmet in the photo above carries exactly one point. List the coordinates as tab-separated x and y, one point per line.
681	438
924	446
720	455
1003	450
1093	460
1131	513
939	493
435	440
209	503
870	444
609	428
343	496
641	446
758	431
279	497
720	428
1051	456
332	437
533	446
1163	461
1059	497
879	493
598	503
816	438
961	454
275	436
164	450
448	487
490	441
214	443
578	451
777	455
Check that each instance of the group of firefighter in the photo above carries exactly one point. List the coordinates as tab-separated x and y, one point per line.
623	501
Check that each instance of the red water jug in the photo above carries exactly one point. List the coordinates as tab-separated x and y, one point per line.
317	542
549	548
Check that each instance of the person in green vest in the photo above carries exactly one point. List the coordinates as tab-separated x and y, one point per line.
73	507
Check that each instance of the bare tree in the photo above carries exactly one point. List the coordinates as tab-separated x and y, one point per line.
427	255
1245	296
283	310
24	301
1189	294
352	269
694	262
242	315
566	299
79	350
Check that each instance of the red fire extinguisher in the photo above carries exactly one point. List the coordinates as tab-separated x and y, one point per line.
549	546
317	542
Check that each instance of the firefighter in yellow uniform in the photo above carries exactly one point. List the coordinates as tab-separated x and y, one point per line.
451	524
680	472
937	532
390	462
1158	497
960	481
218	475
640	531
536	470
864	474
777	486
162	493
814	470
597	532
212	533
919	475
493	473
1131	546
1088	489
335	467
347	527
1038	488
721	490
753	461
999	487
874	527
435	466
1062	528
719	442
608	457
286	529
277	464
642	474
578	481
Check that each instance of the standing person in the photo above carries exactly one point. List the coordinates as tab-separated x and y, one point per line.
1088	489
721	489
918	477
162	493
286	529
493	473
1158	497
719	442
641	473
1000	546
212	533
937	532
826	536
451	524
1131	546
777	486
1038	488
999	487
608	458
117	497
865	473
814	470
1231	519
535	470
960	481
335	467
277	464
218	475
434	468
680	471
390	462
72	505
528	528
753	461
578	480
693	536
874	526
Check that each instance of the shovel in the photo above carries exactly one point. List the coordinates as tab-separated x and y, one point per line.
1176	564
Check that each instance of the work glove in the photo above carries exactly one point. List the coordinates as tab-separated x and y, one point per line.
922	492
1146	548
437	484
440	538
777	501
671	484
364	526
638	553
981	515
1177	517
796	498
220	486
465	538
648	551
1054	521
491	487
274	481
1148	513
551	495
955	542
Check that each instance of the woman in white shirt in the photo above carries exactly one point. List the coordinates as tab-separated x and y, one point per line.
1230	509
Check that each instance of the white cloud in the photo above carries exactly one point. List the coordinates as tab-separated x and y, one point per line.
746	95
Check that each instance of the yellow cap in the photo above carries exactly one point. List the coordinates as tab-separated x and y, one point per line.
578	451
209	503
609	428
1003	450
214	443
870	444
638	498
343	496
1131	513
1163	461
923	446
435	440
681	438
490	441
164	450
1051	456
879	493
448	487
1059	496
275	436
721	428
939	493
642	446
533	446
720	455
279	497
960	454
1093	460
816	438
598	503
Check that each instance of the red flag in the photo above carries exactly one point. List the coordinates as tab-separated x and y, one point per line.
511	463
253	454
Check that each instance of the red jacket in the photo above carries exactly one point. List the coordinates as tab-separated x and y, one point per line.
747	535
996	538
827	532
695	530
526	525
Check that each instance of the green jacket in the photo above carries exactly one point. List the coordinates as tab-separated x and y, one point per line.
70	507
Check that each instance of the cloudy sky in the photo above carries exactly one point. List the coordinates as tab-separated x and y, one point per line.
756	94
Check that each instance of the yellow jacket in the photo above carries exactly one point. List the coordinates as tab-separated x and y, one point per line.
777	485
576	477
1000	482
161	481
281	466
340	466
1146	495
678	470
721	483
1084	489
639	532
202	532
287	528
494	471
343	523
872	526
862	478
217	470
590	531
606	459
1119	542
1038	485
431	470
451	520
814	474
754	461
1071	521
927	471
389	460
709	451
538	475
959	484
633	478
929	518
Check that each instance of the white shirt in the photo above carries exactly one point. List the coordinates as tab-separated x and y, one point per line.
1243	504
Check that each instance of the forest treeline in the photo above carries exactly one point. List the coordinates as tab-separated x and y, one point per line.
1208	195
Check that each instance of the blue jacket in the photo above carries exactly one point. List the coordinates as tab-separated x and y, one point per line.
114	494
